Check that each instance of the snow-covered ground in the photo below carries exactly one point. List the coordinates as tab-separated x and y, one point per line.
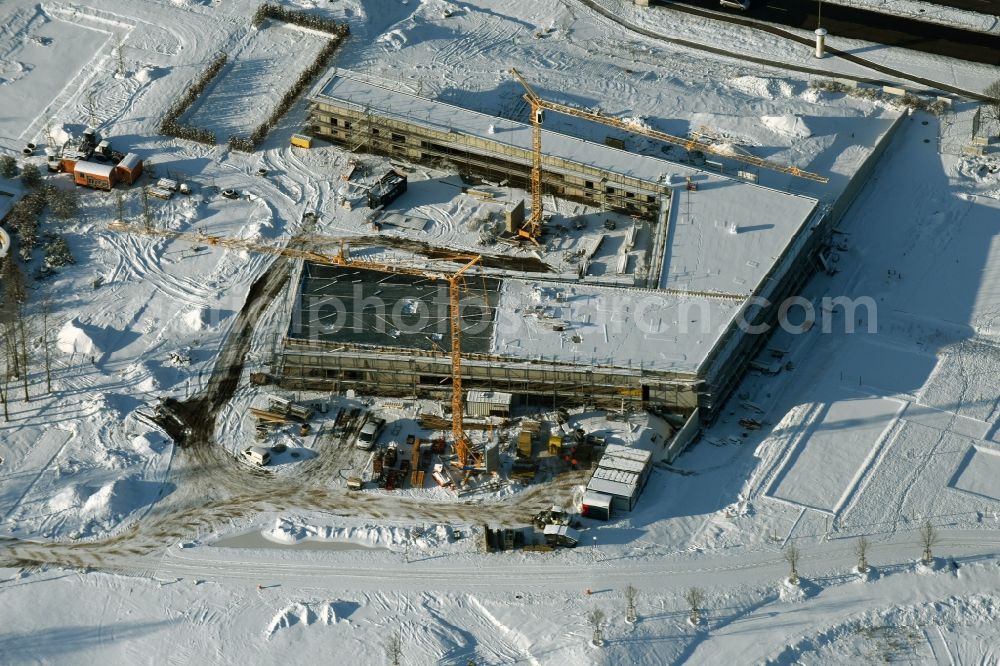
868	433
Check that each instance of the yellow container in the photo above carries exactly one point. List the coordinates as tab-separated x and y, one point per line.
302	141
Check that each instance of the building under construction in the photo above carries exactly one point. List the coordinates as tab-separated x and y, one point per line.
723	255
371	119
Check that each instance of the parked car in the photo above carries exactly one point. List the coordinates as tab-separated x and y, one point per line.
257	455
370	431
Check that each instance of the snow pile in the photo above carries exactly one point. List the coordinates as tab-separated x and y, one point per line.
60	135
790	592
761	86
292	531
148	444
103	508
197	319
787	125
145	75
74	340
304	614
68	498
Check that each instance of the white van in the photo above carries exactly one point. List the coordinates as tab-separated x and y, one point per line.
257	455
369	433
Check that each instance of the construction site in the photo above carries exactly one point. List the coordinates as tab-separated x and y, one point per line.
531	307
328	323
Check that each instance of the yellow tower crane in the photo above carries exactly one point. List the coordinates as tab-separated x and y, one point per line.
466	456
538	105
533	227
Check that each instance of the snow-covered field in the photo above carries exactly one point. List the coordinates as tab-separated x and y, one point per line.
118	546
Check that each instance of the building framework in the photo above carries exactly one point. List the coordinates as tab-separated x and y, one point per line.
366	118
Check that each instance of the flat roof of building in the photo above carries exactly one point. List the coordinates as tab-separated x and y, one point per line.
614	482
621	458
725	236
515	318
597	325
94	169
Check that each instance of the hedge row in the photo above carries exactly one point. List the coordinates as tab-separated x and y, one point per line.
338	32
172	127
299	18
937	107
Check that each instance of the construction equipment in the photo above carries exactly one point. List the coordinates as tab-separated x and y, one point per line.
532	229
466	457
539	104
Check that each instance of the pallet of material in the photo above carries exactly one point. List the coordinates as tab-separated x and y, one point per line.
433	422
160	193
531	426
265	415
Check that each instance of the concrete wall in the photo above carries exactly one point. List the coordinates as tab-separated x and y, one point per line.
860	179
683	438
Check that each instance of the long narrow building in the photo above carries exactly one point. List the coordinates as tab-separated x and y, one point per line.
363	117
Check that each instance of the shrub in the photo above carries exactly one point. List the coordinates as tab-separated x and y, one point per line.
57	253
8	166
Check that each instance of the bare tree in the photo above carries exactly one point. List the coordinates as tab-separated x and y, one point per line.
861	550
24	350
928	539
792	555
631	594
146	219
991	109
394	649
3	383
596	620
47	343
694	597
91	109
120	54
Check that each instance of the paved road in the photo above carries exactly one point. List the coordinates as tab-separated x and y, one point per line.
825	73
991	7
870	26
